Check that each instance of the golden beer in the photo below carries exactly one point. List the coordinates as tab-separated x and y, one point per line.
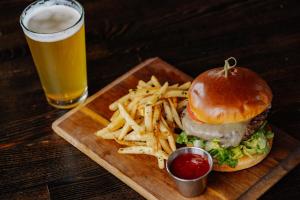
56	38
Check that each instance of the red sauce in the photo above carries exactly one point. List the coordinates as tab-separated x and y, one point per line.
189	166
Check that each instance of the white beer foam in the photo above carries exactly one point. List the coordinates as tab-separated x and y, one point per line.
51	23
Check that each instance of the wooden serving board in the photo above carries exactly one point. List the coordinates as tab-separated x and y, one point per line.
141	172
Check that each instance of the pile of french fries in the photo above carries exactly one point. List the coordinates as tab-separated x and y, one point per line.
144	120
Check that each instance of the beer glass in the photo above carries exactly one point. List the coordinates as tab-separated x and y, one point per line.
54	30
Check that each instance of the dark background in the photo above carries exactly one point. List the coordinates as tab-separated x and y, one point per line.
194	36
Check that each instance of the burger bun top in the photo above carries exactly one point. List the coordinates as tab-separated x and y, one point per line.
217	99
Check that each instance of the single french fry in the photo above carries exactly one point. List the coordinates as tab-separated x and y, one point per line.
142	150
136	150
142	84
172	142
163	131
185	86
133	136
114	105
148	118
161	163
175	102
175	86
102	132
155	81
165	146
108	135
150	139
150	84
164	125
156	116
129	120
130	143
115	115
154	143
133	111
163	89
162	154
175	114
126	128
144	92
168	111
116	124
145	150
175	93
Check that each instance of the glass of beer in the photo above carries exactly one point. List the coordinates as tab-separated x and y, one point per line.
54	31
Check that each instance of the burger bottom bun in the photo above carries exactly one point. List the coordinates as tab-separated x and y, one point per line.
244	162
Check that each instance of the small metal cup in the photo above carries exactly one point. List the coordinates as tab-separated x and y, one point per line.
190	187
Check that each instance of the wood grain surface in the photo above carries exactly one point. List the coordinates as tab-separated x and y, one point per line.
140	172
192	35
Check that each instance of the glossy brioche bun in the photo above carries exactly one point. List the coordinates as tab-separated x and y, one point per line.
216	99
244	162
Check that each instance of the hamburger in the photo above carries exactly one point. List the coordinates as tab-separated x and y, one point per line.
226	115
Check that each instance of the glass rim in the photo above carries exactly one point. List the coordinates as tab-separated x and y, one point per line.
22	17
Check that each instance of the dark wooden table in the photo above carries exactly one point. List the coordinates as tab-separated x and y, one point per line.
196	35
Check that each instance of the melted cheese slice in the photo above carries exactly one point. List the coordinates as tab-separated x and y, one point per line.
230	134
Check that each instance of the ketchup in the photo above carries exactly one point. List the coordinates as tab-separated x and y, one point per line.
189	166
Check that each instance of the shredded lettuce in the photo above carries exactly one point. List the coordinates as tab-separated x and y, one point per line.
183	138
256	144
236	152
222	155
199	143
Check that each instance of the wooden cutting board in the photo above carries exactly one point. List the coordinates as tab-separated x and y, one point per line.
141	172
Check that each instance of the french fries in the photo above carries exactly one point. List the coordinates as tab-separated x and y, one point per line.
144	120
129	119
114	105
133	136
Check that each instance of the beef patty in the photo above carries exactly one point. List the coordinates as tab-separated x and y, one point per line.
255	123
